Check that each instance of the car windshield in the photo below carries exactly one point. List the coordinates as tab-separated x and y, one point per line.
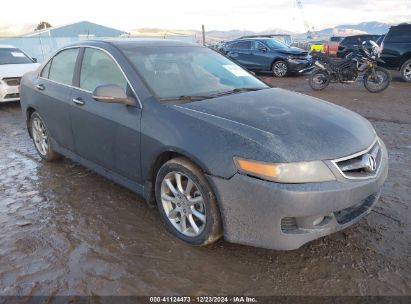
276	44
13	56
189	72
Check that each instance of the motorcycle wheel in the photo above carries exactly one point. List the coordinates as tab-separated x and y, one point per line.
319	80
380	82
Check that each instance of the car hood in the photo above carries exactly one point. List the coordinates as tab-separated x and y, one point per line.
293	126
293	51
17	70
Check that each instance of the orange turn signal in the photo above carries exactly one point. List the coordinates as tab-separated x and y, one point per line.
256	168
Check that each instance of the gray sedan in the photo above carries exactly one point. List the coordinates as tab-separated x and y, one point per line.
216	150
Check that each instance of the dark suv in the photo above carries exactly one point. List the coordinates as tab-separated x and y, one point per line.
267	54
396	52
350	43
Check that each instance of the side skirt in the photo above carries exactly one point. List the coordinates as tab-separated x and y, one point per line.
119	179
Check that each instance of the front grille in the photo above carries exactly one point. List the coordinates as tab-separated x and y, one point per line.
350	213
288	224
10	96
361	165
12	81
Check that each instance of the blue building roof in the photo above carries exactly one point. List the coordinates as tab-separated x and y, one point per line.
82	28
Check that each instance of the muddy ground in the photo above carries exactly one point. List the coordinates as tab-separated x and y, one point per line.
64	230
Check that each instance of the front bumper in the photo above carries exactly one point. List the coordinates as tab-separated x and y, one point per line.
9	93
296	65
281	216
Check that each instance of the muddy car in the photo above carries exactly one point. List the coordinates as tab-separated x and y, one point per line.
216	150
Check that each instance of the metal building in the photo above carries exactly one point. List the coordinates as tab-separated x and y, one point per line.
78	29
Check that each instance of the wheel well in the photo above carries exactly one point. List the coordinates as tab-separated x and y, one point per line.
29	112
149	187
405	58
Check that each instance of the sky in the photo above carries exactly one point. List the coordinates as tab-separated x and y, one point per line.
256	15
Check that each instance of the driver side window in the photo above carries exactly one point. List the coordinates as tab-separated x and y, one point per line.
98	69
258	45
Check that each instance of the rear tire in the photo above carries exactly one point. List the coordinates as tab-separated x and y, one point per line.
319	80
41	138
379	85
406	71
187	203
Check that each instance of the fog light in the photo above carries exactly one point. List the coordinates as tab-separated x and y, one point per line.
318	220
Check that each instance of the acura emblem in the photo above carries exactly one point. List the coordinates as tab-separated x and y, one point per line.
370	163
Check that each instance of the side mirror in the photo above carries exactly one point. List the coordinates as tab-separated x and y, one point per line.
263	49
34	60
112	93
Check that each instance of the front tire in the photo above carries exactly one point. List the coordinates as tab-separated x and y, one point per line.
280	69
41	138
319	80
187	203
406	71
380	82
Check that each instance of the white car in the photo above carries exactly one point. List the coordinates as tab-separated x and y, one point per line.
14	63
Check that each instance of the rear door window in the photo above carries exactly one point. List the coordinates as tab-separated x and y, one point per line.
63	65
241	45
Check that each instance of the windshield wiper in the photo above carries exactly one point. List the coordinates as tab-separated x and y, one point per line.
238	90
186	98
189	98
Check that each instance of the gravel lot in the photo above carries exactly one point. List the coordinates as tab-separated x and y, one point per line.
64	230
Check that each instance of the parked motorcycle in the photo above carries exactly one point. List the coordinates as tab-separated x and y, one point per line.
361	62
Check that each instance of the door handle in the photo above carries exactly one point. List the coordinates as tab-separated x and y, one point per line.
78	101
40	87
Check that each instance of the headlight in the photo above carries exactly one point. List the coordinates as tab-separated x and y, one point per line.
301	172
292	57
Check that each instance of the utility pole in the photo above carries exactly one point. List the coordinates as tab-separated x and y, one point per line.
203	29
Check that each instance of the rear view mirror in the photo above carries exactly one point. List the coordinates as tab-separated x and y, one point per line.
112	93
34	60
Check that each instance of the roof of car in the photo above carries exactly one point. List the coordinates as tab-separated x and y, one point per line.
139	42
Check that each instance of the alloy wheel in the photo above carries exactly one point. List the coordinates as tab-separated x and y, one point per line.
280	69
407	71
183	204
40	137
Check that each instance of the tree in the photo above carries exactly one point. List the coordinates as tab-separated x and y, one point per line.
42	25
